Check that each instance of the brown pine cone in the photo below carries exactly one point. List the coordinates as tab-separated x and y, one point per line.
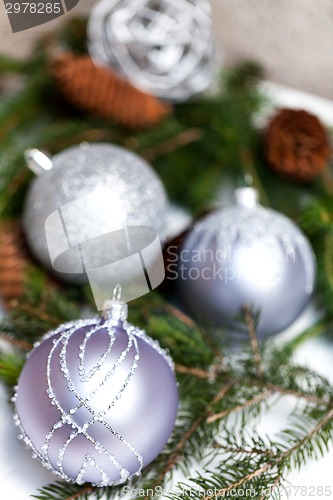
296	145
102	92
13	262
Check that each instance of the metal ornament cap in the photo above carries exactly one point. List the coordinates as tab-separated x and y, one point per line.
96	400
246	255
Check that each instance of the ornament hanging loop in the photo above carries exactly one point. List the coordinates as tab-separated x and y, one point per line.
117	293
114	309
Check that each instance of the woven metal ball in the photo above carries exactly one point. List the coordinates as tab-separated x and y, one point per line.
163	47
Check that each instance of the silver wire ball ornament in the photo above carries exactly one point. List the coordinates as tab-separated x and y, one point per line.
98	186
96	400
163	47
246	255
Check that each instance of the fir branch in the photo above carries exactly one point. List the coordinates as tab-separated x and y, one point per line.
327	181
184	318
64	491
315	330
253	340
223	491
297	394
15	342
272	488
212	139
10	368
182	139
242	450
177	453
10	65
328	261
243	406
194	372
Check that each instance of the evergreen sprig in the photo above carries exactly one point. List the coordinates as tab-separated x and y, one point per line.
223	395
221	399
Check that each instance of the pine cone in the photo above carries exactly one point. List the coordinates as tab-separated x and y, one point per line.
296	145
102	92
13	262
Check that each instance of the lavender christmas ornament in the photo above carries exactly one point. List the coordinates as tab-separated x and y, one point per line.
97	399
246	255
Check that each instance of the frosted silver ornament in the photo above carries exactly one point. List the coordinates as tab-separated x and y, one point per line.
104	187
246	255
163	47
96	400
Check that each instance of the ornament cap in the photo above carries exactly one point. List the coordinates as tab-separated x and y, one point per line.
247	197
38	161
114	309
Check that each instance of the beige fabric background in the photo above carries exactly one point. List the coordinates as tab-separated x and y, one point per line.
292	39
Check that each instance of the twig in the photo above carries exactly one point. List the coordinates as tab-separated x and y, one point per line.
267	493
176	455
84	491
247	404
328	262
309	436
327	178
222	392
22	344
248	477
12	187
289	392
254	341
182	317
195	372
91	135
253	451
271	465
35	312
167	147
315	330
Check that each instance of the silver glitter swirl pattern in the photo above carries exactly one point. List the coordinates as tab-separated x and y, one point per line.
67	418
164	47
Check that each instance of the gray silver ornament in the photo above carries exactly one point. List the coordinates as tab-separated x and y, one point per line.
163	47
96	400
100	188
246	255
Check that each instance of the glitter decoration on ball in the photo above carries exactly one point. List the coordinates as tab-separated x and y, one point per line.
105	403
249	256
103	187
163	47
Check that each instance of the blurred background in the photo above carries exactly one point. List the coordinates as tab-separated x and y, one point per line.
292	41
